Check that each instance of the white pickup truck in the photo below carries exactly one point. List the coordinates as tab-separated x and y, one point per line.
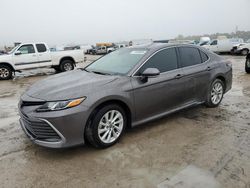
37	55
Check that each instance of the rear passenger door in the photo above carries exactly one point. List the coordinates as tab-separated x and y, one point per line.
43	55
196	71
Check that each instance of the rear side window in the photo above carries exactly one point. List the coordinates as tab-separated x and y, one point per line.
189	56
165	60
204	57
41	48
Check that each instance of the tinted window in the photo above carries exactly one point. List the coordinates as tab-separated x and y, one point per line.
165	60
27	49
189	56
214	42
41	48
204	56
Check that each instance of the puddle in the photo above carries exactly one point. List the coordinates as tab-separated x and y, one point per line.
191	177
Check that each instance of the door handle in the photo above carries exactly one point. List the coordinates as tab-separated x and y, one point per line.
178	76
209	68
34	55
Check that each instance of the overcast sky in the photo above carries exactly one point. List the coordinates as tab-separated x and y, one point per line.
91	21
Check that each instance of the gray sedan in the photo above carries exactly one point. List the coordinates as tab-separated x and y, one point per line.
123	89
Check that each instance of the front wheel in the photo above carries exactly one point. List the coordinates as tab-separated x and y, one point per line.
215	94
5	72
66	65
247	65
107	126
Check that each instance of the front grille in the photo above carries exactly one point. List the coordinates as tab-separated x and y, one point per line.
31	103
40	130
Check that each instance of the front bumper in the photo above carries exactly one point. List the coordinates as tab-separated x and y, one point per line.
57	129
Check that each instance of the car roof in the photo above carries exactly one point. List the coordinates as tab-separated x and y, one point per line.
157	46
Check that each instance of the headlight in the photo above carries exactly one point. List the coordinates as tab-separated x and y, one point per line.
60	105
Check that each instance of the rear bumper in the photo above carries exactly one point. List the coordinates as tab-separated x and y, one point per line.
229	80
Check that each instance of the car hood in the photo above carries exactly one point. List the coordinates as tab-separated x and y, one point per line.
5	58
69	85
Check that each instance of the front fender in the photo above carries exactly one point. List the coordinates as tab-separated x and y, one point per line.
9	64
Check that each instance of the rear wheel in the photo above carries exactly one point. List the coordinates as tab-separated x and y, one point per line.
244	52
107	126
247	65
66	65
215	94
5	72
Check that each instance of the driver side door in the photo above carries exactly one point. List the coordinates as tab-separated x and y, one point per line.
163	93
27	58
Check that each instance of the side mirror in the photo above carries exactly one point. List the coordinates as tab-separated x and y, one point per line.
150	72
18	53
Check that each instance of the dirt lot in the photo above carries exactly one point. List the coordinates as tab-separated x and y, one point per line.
171	152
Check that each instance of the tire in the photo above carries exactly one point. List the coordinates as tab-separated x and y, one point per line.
216	93
66	65
57	69
6	72
101	134
247	66
244	52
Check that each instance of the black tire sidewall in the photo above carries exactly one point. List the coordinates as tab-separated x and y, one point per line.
10	72
63	63
245	50
209	102
246	66
93	126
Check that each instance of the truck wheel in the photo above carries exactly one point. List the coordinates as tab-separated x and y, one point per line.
247	66
5	72
244	52
66	65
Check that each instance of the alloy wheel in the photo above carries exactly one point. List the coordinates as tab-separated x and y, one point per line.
4	73
110	126
217	93
67	67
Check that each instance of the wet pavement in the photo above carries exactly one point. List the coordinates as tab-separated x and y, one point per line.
213	142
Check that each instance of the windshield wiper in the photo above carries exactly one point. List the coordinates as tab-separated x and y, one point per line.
96	72
102	73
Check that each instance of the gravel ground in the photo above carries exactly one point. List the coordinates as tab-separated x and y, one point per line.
212	145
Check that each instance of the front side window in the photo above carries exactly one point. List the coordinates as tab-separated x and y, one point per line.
189	56
214	42
118	62
41	48
27	49
165	60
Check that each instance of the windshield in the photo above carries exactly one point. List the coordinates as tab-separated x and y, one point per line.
10	52
117	62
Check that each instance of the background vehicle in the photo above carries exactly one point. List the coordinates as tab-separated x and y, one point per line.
127	87
37	55
204	41
247	64
104	48
91	50
2	52
242	49
223	45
